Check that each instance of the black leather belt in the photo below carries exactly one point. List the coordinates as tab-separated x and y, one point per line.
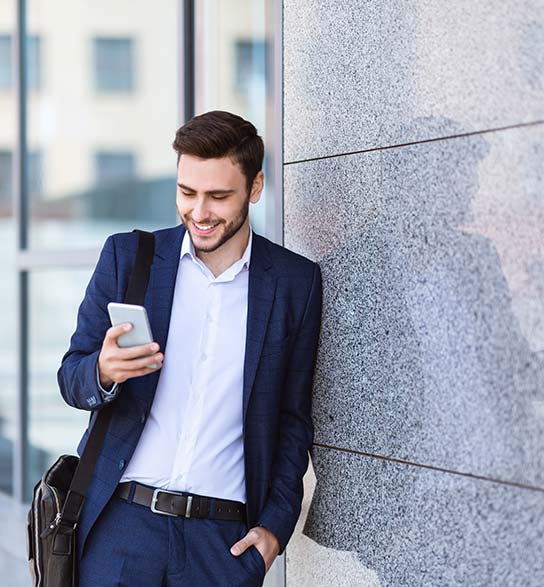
180	503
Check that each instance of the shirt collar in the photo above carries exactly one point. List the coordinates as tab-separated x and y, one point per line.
187	248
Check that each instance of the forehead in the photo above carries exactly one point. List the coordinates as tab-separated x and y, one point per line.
197	172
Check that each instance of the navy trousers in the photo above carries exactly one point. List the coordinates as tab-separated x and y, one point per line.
131	546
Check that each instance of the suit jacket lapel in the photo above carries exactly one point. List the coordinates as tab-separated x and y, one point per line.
261	291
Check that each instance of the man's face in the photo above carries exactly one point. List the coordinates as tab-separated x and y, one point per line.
211	200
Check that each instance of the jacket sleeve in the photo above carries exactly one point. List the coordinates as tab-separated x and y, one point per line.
296	431
77	373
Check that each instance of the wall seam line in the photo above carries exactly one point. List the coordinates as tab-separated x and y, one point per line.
431	467
420	142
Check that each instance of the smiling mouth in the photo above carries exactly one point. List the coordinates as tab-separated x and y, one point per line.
205	228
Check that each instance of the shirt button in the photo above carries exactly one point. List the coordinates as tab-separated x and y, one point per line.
122	464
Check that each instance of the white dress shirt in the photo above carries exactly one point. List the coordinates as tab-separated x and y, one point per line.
192	439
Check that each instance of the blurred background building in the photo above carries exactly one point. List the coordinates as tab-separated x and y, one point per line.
404	153
91	95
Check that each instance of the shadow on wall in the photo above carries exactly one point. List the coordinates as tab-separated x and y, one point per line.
428	364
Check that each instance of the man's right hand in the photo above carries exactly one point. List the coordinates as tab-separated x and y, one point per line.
116	364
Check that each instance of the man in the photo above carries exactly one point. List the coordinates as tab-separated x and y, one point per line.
199	482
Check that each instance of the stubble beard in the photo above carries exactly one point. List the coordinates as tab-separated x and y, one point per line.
228	232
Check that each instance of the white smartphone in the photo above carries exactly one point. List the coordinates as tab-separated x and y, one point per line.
137	316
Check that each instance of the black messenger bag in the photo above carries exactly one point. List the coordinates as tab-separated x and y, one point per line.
59	496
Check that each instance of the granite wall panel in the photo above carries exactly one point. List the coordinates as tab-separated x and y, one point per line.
369	522
355	71
413	152
432	343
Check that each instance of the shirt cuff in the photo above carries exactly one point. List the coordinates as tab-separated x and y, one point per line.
107	395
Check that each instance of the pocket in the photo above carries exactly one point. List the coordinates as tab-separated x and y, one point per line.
252	553
258	558
227	532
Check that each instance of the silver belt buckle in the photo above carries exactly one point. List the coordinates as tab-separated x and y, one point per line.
156	498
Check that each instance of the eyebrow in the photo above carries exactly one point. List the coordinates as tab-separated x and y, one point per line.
209	192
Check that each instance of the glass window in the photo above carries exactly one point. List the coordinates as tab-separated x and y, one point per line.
8	241
54	427
34	61
103	121
111	166
8	356
6	180
231	55
114	65
250	65
6	62
35	175
34	71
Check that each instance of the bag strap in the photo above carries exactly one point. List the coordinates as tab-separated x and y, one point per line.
135	294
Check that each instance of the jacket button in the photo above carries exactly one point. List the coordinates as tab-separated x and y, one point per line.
142	419
122	464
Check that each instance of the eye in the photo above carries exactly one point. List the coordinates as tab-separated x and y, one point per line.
219	197
186	194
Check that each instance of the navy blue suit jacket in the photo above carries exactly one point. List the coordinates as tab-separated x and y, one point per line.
283	325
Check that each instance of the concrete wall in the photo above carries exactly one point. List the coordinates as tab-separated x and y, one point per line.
414	175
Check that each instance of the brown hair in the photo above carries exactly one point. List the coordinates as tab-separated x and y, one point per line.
222	134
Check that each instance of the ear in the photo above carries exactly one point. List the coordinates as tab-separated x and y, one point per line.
257	188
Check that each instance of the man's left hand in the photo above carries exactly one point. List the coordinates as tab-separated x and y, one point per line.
265	542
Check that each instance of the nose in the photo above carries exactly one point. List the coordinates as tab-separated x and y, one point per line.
200	210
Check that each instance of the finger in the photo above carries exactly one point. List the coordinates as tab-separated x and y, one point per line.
135	352
114	332
125	375
243	544
139	363
142	372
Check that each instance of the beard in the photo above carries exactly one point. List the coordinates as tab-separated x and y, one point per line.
228	230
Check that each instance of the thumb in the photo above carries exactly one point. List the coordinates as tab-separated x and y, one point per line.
242	545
